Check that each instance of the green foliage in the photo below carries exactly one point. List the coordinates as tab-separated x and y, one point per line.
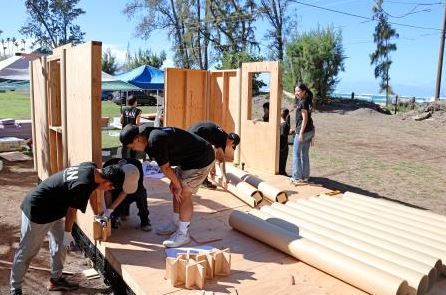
145	57
51	22
314	58
383	35
109	62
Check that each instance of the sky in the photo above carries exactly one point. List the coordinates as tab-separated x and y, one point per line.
414	68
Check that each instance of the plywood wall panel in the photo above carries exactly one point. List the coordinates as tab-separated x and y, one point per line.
196	93
41	136
260	140
175	97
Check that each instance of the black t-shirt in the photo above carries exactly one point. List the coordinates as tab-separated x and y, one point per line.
211	132
129	115
303	104
178	148
284	132
50	200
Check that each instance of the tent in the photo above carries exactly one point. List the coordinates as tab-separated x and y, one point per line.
145	77
111	83
14	74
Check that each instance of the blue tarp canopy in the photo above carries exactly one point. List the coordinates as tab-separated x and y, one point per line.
145	77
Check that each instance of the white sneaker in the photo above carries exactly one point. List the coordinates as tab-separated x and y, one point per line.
177	239
167	229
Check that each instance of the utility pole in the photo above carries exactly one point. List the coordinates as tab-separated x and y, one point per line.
440	57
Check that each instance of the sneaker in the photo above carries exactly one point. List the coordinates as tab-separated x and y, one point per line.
115	222
300	182
16	292
61	284
146	227
167	229
177	239
209	185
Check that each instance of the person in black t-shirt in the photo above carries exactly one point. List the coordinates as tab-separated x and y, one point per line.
45	207
284	132
216	136
122	201
265	116
130	114
193	157
304	135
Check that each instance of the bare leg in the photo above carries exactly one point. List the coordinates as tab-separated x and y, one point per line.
186	207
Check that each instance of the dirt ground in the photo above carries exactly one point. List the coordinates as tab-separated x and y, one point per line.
357	150
16	179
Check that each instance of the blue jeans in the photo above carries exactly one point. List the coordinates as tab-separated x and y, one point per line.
32	236
301	158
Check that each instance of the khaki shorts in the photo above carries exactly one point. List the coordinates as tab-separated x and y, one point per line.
191	179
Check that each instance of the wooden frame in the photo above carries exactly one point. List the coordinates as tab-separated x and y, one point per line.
66	108
223	97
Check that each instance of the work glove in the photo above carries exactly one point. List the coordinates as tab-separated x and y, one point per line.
107	213
68	240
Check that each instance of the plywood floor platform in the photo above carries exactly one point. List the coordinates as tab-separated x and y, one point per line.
256	268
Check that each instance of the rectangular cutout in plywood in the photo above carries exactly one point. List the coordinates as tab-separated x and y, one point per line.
260	144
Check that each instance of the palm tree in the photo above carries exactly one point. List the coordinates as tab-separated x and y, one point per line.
3	46
16	44
8	40
24	44
13	40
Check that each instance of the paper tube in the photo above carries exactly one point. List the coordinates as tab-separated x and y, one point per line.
437	253
373	224
358	274
337	204
418	282
426	215
269	191
242	190
404	250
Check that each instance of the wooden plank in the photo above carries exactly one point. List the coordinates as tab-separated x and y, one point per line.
196	81
260	144
175	91
83	87
41	136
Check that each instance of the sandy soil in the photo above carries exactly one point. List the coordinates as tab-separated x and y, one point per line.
16	179
359	150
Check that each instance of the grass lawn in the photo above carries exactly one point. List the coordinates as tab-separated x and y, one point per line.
17	105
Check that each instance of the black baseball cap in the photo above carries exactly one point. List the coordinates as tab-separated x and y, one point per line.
235	139
128	134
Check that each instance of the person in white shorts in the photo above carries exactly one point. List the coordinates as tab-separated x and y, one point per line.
193	157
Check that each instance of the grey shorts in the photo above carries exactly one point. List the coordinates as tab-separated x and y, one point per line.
191	179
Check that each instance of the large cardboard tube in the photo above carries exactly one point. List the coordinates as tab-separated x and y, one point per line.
375	224
434	231
242	190
402	249
418	282
301	226
358	274
440	254
426	215
379	220
268	190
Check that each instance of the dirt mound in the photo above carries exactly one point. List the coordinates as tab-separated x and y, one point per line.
365	112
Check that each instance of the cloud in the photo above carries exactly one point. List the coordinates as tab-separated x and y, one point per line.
118	50
168	63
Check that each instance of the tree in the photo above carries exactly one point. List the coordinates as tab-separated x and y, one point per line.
167	15
201	30
274	11
109	62
51	22
384	33
314	58
145	57
233	60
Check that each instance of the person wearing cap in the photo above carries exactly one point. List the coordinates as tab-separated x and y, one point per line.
50	208
133	192
193	157
216	136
